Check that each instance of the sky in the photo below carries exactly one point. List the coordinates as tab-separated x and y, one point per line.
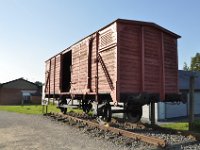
31	31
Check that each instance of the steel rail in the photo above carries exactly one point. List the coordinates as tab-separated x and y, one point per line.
147	139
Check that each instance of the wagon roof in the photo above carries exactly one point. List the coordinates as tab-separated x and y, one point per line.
148	24
127	22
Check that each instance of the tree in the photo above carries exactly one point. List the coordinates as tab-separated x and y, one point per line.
185	67
195	63
38	83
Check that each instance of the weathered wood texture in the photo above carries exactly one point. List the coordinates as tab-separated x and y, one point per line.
79	67
170	64
148	60
80	60
133	57
52	74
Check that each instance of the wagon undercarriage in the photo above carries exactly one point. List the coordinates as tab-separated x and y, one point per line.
130	104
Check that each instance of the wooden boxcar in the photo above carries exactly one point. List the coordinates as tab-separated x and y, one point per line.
129	62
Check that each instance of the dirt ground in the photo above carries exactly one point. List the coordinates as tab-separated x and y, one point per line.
35	132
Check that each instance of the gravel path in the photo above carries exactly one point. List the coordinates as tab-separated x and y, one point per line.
22	132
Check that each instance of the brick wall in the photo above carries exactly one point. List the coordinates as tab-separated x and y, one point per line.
36	99
10	96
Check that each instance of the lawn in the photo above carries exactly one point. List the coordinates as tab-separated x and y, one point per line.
183	126
28	109
35	109
176	126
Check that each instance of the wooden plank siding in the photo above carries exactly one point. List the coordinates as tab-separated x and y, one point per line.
57	74
148	60
79	67
133	57
130	56
53	69
47	73
152	57
108	67
170	64
80	52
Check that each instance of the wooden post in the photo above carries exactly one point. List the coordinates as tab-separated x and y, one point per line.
42	109
46	109
191	102
72	102
152	105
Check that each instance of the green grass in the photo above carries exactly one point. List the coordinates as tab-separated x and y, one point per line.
176	126
35	109
183	126
196	125
28	109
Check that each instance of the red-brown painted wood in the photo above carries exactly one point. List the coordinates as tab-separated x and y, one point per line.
133	57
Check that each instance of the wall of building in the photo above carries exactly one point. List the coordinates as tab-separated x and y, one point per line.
19	92
172	110
35	99
197	103
10	96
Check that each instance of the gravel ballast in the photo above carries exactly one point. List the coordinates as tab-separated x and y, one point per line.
174	140
22	132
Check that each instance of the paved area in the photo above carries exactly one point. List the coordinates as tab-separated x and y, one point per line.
35	132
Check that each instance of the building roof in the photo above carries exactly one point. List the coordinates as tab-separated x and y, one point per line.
20	84
184	79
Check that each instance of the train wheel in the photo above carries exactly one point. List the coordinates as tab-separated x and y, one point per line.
107	113
63	110
86	107
134	113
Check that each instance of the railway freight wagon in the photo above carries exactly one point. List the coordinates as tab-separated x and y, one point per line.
126	63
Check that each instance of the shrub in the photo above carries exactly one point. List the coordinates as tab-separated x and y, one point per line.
196	125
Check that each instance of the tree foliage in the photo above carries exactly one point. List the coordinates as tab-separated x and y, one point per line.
194	65
38	83
186	67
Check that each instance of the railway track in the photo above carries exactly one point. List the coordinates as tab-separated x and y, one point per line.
105	127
